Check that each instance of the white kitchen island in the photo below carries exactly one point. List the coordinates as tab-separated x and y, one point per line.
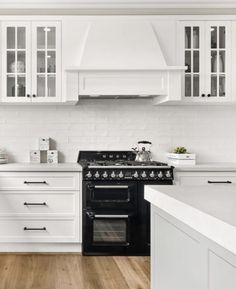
193	242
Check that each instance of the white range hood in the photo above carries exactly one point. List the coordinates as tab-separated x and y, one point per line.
124	59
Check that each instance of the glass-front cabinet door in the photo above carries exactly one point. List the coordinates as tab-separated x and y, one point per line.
16	74
46	62
193	55
218	55
206	56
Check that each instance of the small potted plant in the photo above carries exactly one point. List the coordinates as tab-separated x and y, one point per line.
181	156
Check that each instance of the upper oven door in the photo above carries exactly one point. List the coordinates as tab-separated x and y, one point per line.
114	195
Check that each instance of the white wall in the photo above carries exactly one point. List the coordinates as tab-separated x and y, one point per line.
210	131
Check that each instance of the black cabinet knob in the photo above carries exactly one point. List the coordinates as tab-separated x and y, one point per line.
209	95
34	95
203	95
28	95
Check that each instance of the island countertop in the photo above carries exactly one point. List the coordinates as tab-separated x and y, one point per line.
210	210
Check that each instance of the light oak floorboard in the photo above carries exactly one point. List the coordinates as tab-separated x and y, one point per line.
73	271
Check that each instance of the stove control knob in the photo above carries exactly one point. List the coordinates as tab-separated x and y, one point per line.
152	175
143	175
89	175
168	174
135	175
121	175
160	174
97	175
105	175
113	175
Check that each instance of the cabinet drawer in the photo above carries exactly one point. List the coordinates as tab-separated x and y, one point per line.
39	181
37	203
43	230
206	180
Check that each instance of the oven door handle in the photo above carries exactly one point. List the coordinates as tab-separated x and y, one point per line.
111	187
112	216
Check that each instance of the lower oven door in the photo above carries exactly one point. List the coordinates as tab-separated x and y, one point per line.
108	234
110	195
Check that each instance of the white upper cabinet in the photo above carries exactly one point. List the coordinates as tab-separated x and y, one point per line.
31	62
206	51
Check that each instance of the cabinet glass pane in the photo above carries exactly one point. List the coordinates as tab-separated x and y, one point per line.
188	61
11	37
20	91
213	37
51	56
11	62
213	85
21	43
187	85
41	62
20	65
213	61
222	61
196	85
51	37
51	85
41	85
10	85
222	85
187	37
195	37
41	37
195	61
222	36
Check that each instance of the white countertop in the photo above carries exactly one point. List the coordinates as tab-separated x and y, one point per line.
201	167
22	167
210	210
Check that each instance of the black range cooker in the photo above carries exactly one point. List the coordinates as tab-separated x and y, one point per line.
116	217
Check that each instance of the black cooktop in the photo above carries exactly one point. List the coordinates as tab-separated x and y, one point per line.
112	158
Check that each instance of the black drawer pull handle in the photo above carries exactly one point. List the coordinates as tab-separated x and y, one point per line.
219	182
35	204
35	229
28	183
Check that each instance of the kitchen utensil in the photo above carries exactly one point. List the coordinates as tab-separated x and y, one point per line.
143	153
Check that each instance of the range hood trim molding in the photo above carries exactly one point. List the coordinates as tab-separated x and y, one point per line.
166	68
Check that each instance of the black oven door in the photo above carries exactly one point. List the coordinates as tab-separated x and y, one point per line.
110	195
109	233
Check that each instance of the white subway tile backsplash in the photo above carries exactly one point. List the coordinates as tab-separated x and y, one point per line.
210	131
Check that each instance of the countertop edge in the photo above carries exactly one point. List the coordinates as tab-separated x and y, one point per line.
28	167
214	229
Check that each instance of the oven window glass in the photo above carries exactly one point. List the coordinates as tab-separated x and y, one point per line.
111	194
110	231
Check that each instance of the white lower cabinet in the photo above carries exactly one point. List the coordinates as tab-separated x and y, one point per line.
38	230
205	178
39	207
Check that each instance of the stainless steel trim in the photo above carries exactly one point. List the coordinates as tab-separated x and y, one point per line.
111	216
129	167
111	187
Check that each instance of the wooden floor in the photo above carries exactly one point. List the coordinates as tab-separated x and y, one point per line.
73	271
